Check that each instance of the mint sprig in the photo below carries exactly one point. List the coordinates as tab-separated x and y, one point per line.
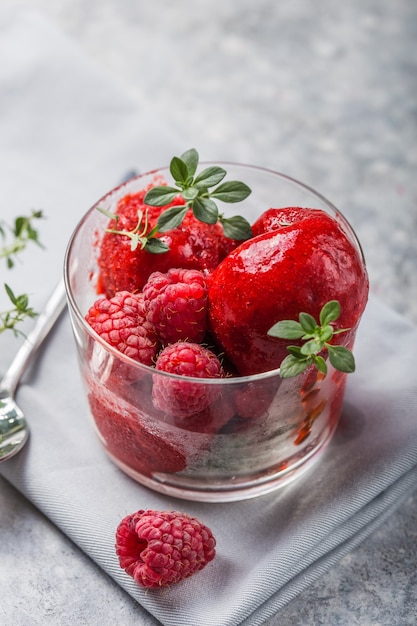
200	192
317	338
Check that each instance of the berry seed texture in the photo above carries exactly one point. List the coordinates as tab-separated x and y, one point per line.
161	548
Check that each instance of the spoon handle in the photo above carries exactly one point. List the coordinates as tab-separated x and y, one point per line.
44	323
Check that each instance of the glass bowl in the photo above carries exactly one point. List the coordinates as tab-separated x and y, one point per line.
259	432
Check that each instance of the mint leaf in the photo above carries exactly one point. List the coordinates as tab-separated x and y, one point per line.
287	329
156	246
171	218
236	227
190	158
205	210
326	333
321	364
291	366
209	177
341	358
330	312
179	171
160	196
190	194
232	191
308	322
312	347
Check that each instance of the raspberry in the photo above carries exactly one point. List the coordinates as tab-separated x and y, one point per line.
121	323
176	303
182	398
160	548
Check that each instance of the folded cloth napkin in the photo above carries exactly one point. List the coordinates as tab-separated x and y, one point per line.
61	157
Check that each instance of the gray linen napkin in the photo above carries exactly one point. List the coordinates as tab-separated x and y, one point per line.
269	548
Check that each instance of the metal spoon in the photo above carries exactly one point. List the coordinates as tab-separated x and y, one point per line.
14	430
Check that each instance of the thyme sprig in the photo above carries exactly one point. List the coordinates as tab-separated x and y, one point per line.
317	338
11	318
139	237
21	233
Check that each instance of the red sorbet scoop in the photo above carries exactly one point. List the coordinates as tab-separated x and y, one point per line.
298	261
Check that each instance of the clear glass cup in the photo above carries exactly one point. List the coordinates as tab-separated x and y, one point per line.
259	432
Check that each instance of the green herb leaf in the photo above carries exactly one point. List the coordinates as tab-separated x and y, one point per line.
296	351
321	364
171	218
308	322
326	333
190	194
312	347
190	158
286	329
156	246
160	196
330	312
341	358
209	177
292	366
179	171
232	191
236	227
205	210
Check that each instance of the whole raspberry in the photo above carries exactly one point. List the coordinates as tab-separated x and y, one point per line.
182	397
160	548
176	303
121	323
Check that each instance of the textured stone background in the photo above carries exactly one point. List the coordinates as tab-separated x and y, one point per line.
323	91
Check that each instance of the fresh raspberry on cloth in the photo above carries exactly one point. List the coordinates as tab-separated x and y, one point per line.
176	304
160	548
182	397
121	323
